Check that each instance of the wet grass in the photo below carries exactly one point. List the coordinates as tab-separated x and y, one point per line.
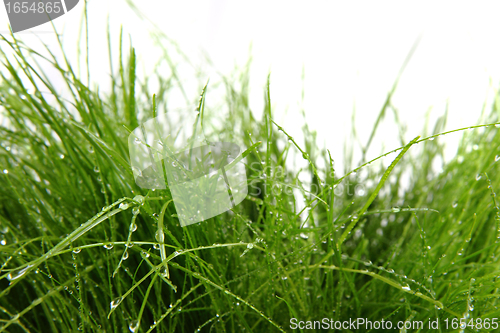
83	248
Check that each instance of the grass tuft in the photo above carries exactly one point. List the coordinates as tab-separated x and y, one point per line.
83	248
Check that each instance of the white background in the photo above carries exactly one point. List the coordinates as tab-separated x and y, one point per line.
350	52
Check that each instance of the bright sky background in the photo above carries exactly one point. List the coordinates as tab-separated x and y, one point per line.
351	51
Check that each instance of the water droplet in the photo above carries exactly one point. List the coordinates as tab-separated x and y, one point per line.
123	206
133	227
303	235
136	210
431	139
125	255
108	246
137	141
5	171
36	301
77	250
139	199
134	325
14	275
160	237
396	209
250	246
96	169
497	157
454	204
114	303
407	288
478	176
164	272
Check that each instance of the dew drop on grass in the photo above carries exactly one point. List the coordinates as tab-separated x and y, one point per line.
160	237
454	204
96	169
134	325
478	176
36	301
133	227
136	211
18	273
250	246
139	199
114	303
108	246
396	209
497	157
77	250
407	288
137	141
5	171
125	255
123	206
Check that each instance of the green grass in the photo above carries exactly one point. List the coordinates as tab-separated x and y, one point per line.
68	201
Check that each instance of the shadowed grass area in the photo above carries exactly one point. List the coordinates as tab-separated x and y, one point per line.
82	247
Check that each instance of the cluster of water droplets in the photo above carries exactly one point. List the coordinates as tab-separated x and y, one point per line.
407	280
469	308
